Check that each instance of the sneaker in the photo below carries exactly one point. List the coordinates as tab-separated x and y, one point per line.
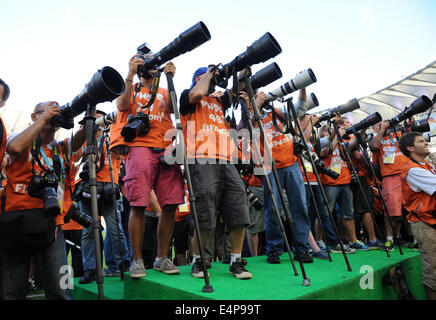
137	269
165	265
337	249
320	255
111	273
197	269
305	257
359	246
238	270
273	257
376	245
389	245
321	245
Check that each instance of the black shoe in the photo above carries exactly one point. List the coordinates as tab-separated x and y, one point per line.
238	270
305	257
208	264
197	269
399	242
273	257
88	276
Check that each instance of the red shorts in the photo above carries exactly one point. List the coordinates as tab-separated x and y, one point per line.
391	192
145	172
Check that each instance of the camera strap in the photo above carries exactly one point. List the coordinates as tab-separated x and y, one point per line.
286	123
58	163
154	89
100	154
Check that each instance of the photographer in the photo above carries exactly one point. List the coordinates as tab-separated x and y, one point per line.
391	161
145	168
31	225
338	190
361	210
307	123
291	179
106	209
419	199
215	180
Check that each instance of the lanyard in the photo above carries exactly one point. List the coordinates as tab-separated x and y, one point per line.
49	163
392	140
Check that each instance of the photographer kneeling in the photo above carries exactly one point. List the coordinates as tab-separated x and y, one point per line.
30	225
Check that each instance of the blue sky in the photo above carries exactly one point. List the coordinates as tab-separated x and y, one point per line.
50	49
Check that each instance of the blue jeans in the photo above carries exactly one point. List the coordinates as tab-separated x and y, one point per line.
112	253
343	196
326	222
291	179
51	264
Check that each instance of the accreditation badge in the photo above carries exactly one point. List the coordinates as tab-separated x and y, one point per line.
183	207
336	165
389	158
307	165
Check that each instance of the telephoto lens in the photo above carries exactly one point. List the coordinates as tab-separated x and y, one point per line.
301	80
186	41
265	76
365	123
421	104
75	214
107	119
351	105
263	49
106	84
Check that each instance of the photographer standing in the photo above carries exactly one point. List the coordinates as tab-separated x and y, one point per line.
31	225
118	252
291	180
419	199
215	181
145	168
391	161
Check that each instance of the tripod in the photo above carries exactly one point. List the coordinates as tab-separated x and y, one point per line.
306	280
354	172
291	107
192	199
91	152
114	203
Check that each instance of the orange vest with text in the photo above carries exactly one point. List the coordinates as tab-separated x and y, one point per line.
420	203
19	174
390	157
206	132
335	162
160	120
282	145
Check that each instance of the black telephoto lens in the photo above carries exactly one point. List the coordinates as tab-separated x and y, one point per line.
365	123
75	214
265	76
105	85
421	104
50	201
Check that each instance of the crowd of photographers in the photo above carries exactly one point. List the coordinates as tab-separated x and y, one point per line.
315	192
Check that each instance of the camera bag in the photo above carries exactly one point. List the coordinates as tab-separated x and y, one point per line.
26	230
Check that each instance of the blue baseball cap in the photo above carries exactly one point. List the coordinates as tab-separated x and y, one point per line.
197	73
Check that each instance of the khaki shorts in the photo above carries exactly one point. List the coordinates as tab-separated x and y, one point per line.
426	237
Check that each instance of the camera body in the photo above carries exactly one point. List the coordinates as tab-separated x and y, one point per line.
44	187
253	200
138	125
